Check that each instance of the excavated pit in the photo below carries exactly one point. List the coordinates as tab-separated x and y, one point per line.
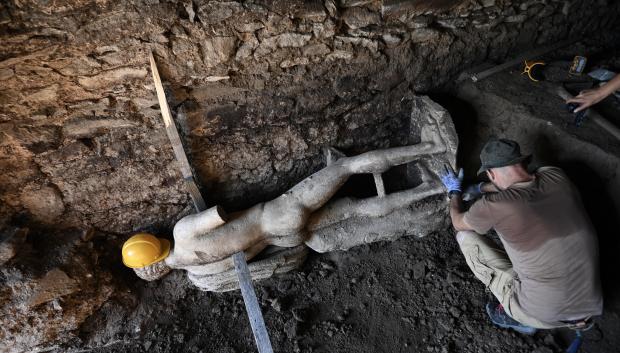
257	89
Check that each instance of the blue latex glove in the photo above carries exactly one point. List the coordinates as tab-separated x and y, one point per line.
451	181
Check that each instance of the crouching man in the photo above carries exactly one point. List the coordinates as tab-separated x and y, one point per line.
547	274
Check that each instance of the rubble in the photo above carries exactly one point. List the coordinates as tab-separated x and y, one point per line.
42	306
52	286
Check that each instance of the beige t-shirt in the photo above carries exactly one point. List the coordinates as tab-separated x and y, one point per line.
551	243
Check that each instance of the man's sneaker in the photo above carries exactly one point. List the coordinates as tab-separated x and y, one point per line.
500	318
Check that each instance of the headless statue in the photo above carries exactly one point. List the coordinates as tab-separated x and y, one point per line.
204	242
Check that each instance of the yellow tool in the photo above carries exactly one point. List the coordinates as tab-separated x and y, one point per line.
144	249
532	71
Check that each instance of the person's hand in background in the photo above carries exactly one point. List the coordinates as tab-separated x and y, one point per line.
590	97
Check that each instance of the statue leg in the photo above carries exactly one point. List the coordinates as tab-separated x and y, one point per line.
347	222
285	217
379	161
375	207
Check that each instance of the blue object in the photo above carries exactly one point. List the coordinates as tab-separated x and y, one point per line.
576	344
451	181
602	74
500	318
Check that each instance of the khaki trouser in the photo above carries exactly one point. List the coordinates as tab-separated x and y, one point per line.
492	266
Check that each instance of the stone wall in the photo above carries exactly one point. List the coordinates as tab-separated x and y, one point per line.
263	84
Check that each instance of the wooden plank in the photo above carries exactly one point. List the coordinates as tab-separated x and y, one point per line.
175	140
171	129
251	304
194	193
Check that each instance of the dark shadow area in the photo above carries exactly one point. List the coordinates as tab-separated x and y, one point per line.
402	177
358	186
599	205
610	109
398	178
465	119
604	216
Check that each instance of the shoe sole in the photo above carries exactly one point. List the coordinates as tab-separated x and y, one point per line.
528	332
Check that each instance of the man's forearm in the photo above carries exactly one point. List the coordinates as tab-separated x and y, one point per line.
611	86
456	206
456	213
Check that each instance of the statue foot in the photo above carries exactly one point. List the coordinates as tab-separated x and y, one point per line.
432	141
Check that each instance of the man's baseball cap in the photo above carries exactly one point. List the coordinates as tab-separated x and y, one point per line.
498	153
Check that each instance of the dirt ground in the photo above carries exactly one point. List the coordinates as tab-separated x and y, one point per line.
412	295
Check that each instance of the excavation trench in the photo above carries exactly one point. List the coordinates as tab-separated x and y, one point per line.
258	89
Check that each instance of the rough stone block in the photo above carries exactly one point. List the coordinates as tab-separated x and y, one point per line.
354	3
45	95
285	40
311	10
316	50
5	74
53	285
111	77
212	12
294	62
218	50
357	17
11	240
81	128
44	204
422	35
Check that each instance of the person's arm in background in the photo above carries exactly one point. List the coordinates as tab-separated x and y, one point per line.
590	97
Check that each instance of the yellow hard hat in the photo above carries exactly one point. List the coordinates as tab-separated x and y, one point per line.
144	249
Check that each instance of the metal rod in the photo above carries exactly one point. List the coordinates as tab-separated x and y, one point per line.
251	304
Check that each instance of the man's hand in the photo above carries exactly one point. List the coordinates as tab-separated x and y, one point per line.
453	184
587	98
451	181
472	192
590	97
